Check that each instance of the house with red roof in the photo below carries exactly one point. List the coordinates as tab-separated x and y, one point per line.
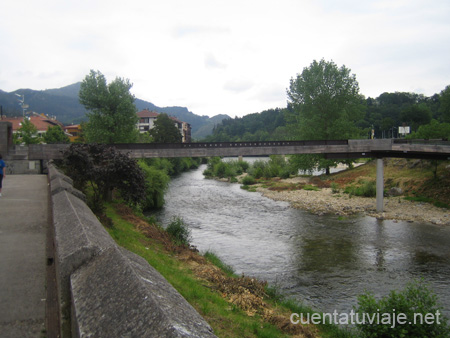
40	121
147	120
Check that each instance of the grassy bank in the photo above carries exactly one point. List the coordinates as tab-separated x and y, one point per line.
418	180
421	180
235	306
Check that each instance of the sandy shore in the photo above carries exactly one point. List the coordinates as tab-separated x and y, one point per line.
325	202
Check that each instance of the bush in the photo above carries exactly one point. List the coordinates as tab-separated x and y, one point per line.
367	189
179	231
335	188
244	165
258	172
156	183
248	180
416	300
220	170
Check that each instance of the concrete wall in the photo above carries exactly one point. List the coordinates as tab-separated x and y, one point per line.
105	290
5	137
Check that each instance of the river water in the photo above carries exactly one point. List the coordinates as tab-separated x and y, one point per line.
323	261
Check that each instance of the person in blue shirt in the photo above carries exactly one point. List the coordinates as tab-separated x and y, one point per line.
2	172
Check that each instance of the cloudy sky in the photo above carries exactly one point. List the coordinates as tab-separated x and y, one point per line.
232	57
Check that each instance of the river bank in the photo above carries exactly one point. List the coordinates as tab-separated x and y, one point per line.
324	201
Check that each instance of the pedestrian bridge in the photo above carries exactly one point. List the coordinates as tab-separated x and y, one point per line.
424	149
338	149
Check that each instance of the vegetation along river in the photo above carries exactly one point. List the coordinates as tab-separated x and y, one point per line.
323	261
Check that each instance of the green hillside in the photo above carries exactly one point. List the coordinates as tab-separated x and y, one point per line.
63	103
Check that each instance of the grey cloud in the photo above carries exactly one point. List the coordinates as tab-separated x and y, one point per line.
212	62
238	86
272	93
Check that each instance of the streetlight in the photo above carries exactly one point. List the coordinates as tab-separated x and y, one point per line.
22	103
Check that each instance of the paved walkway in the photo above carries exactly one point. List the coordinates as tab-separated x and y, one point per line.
23	226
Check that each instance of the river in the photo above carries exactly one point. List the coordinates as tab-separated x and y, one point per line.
323	261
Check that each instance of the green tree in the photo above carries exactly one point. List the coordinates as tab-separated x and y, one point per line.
104	169
444	100
433	130
28	133
55	134
165	131
416	115
324	104
111	110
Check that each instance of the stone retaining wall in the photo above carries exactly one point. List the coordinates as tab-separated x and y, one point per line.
105	290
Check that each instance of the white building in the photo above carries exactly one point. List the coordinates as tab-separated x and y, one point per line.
147	120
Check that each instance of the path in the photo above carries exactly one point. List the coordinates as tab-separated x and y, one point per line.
23	226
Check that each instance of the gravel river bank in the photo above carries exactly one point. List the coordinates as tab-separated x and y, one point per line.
325	201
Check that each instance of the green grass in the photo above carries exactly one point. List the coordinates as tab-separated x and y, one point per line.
225	319
214	259
427	200
311	187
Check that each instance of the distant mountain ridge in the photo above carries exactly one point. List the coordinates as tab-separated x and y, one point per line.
63	103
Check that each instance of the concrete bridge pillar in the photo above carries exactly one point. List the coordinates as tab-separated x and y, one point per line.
380	184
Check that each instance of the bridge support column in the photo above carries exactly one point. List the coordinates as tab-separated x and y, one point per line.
380	184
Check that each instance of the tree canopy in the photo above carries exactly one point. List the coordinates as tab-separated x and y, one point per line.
55	134
111	110
27	133
326	103
165	131
104	169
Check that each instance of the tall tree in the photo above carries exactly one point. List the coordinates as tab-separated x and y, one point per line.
444	108
165	131
326	102
111	110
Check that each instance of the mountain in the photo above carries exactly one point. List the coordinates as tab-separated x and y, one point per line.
63	103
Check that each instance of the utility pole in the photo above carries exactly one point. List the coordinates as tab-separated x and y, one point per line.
22	103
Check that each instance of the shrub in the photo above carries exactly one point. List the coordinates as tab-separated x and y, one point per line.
244	165
416	301
258	172
208	173
179	231
156	183
335	188
367	189
220	170
248	180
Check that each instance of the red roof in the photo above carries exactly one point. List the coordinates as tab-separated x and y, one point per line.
40	122
147	113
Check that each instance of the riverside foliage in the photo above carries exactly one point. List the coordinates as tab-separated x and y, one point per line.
99	170
276	166
415	303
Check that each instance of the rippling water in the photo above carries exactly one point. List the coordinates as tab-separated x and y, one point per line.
321	260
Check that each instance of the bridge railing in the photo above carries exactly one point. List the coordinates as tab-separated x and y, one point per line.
132	146
444	142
